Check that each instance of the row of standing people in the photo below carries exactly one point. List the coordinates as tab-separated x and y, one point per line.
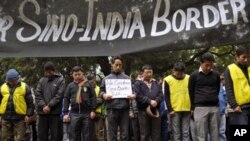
203	96
186	96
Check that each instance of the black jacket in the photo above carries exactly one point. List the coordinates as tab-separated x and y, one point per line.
10	113
144	94
50	92
88	96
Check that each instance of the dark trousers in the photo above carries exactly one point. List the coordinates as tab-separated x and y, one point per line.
134	134
150	127
98	128
80	127
34	131
49	128
118	118
240	118
164	128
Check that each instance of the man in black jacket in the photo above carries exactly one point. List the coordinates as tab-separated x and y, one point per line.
48	96
117	108
16	107
204	87
148	93
80	98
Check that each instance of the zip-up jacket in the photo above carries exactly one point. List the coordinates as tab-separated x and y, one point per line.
144	94
116	103
49	92
16	102
88	96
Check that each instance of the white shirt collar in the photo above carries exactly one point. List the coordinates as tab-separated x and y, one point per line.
200	70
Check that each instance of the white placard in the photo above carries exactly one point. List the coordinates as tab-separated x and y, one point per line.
118	88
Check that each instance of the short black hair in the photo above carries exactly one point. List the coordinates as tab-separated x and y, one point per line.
179	67
207	57
147	67
138	72
242	50
76	69
49	66
90	76
115	58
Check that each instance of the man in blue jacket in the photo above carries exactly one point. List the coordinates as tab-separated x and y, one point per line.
148	95
222	107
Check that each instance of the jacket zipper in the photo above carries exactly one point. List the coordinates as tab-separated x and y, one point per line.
79	108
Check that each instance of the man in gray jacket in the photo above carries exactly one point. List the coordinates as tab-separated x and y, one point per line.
117	108
48	95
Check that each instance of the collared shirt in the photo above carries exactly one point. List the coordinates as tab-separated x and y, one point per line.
200	70
148	83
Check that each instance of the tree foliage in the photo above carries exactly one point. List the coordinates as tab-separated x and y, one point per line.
31	69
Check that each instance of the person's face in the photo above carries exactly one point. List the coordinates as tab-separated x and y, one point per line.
139	77
160	82
48	73
117	65
147	74
93	82
78	75
207	66
242	59
178	74
13	82
222	80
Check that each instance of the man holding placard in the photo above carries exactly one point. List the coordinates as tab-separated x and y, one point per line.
116	90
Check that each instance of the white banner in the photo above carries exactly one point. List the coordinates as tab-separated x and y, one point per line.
118	88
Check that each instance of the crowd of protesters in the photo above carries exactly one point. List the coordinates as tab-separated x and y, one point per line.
179	107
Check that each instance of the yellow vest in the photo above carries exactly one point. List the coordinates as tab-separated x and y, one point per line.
97	91
179	95
18	98
240	84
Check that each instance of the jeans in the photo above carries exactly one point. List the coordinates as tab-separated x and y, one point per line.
164	128
223	128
